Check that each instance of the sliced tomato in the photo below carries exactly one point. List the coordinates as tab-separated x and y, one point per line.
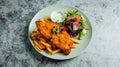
78	19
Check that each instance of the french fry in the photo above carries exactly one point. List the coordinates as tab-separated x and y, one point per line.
45	44
33	38
41	45
56	51
42	20
35	30
42	39
37	48
36	44
75	41
34	35
73	46
49	50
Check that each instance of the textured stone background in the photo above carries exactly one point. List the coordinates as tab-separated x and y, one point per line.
16	50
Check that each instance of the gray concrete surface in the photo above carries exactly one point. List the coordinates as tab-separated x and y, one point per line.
16	50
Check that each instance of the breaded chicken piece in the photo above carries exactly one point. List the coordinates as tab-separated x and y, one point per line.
61	40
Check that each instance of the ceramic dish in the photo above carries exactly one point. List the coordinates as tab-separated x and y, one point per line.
63	8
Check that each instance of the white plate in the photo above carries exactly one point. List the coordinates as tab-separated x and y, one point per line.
74	52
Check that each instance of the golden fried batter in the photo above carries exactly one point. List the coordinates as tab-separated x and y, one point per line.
61	40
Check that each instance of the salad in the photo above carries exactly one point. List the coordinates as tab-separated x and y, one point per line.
71	21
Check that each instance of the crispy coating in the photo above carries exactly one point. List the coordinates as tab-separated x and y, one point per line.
61	40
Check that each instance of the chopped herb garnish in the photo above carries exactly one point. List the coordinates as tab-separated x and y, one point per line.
56	30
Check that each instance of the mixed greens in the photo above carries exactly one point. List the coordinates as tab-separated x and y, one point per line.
73	23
